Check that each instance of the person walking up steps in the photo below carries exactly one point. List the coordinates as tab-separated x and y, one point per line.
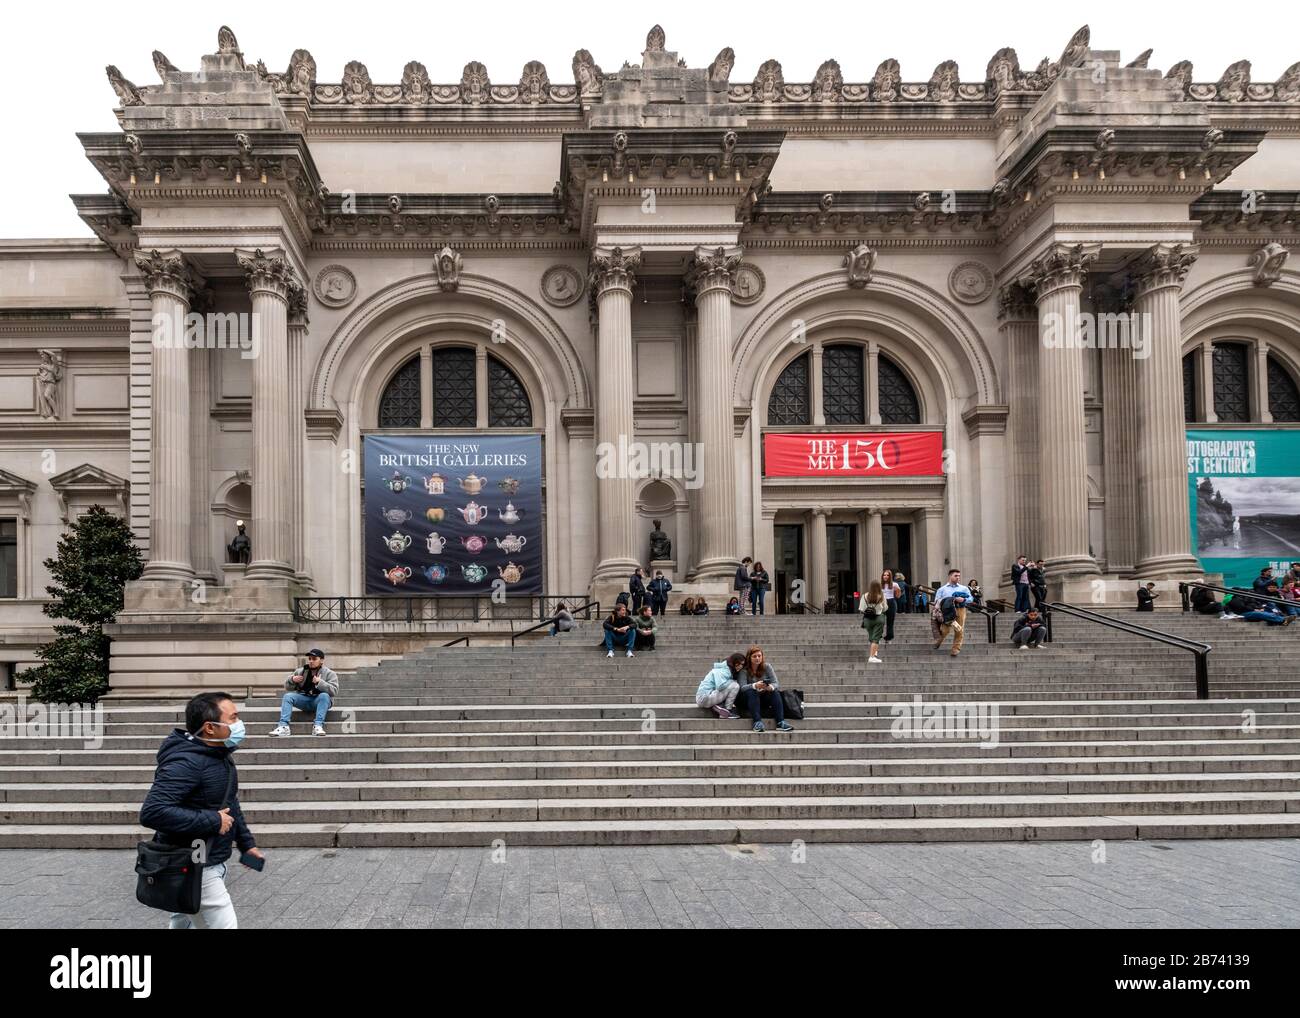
874	609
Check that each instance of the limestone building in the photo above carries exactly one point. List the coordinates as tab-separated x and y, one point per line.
722	272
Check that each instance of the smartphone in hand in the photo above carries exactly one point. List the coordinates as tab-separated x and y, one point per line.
253	862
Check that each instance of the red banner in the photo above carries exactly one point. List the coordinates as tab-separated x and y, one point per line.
882	454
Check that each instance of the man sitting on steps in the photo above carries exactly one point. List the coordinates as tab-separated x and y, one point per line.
312	687
619	628
1029	630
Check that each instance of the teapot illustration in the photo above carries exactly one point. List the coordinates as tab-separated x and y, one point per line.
474	544
435	573
474	513
474	572
510	515
511	573
510	485
435	543
395	516
398	575
435	515
511	543
435	484
473	484
398	482
398	542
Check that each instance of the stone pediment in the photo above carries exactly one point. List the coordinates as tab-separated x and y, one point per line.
16	493
89	485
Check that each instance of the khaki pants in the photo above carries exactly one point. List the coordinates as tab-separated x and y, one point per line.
960	634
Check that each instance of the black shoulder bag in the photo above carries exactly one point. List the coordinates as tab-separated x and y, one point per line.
167	877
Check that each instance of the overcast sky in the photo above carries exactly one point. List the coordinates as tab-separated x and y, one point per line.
54	85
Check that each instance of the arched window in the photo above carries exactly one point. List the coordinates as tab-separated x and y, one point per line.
1189	387
508	405
842	392
399	406
790	402
455	393
1283	395
897	398
1231	381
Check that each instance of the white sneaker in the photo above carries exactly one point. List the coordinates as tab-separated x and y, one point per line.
610	654
318	730
1024	646
629	653
874	661
280	730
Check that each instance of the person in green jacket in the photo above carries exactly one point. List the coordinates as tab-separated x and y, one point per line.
646	627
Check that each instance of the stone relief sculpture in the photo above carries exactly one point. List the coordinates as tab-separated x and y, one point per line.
127	93
770	82
1287	87
661	546
655	40
828	82
226	42
300	78
1180	75
474	84
1235	82
1142	60
587	75
884	84
416	87
720	69
1003	71
448	267
357	87
943	83
1268	262
860	261
162	65
534	83
48	376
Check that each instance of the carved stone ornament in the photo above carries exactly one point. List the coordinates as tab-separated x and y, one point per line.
300	78
127	93
885	82
267	271
944	83
534	84
1268	262
655	41
562	285
1143	59
416	87
970	282
747	284
165	271
713	268
828	82
357	86
769	85
720	69
474	84
335	286
162	65
448	265
48	376
1060	266
613	268
1163	265
587	75
1233	86
861	262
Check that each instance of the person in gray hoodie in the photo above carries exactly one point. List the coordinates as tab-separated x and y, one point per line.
313	687
719	689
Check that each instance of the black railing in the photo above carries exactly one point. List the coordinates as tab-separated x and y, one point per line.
459	639
1249	595
587	607
413	609
1200	650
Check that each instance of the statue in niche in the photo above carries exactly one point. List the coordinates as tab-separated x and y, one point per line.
48	377
661	548
240	548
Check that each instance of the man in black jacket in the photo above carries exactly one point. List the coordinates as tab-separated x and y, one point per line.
1029	630
195	801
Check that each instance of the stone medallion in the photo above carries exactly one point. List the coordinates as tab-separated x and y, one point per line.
562	285
748	284
970	282
335	286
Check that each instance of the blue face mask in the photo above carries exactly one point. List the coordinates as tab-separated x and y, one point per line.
236	736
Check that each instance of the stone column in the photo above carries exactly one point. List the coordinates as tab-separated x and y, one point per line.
1057	278
1260	385
1164	518
816	394
426	386
710	276
1207	383
298	322
874	537
270	279
1120	410
481	386
612	278
1019	327
936	569
170	286
205	567
818	585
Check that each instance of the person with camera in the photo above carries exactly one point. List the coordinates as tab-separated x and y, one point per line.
313	687
194	802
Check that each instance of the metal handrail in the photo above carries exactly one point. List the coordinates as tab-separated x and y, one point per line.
1200	650
459	639
1187	601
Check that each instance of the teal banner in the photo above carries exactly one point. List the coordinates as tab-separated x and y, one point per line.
1244	487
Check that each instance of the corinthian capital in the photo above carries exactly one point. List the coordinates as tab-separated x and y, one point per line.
166	271
713	268
614	268
1163	265
268	272
1062	265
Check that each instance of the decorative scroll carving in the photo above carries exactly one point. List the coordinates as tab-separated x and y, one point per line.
1268	262
613	268
1062	265
1163	265
860	262
448	264
165	271
267	271
712	268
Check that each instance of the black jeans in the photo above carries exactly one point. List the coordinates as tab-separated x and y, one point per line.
657	606
752	703
645	641
891	609
636	603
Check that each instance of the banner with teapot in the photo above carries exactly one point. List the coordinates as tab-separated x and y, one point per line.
453	514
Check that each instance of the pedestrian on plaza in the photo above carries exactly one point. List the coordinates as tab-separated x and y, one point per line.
875	608
721	686
759	581
658	590
314	688
1020	583
950	603
194	801
759	688
1029	630
893	595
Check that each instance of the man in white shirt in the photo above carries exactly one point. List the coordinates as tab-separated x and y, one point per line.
961	596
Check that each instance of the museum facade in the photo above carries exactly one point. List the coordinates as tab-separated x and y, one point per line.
832	326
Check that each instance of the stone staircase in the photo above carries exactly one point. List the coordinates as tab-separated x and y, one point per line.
550	743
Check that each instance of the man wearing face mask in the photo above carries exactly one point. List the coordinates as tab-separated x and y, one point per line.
194	801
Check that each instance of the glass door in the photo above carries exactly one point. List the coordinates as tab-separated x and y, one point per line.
788	566
841	565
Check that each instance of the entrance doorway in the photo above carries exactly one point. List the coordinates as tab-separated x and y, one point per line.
897	543
789	563
841	565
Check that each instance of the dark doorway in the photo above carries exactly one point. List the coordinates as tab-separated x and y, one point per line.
789	563
897	543
841	565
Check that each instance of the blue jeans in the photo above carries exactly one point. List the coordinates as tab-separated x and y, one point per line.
1272	618
320	703
626	639
756	596
752	703
1022	597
